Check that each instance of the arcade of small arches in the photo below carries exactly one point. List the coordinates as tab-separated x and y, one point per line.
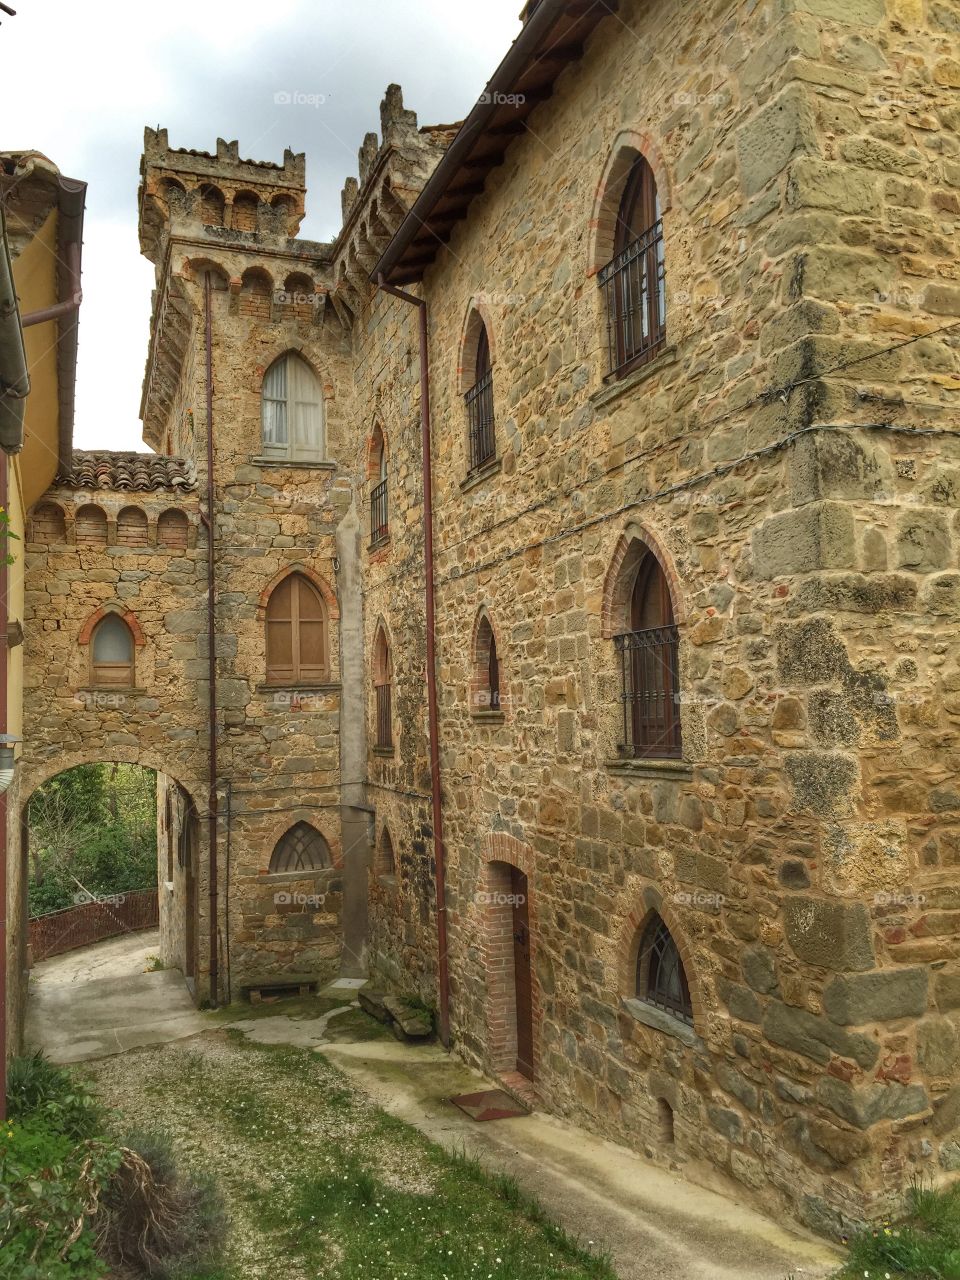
91	524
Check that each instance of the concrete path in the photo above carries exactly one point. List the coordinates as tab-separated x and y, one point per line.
655	1225
98	1001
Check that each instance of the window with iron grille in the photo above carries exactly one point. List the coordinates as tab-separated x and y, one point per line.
302	848
661	980
379	523
382	688
479	402
633	282
649	670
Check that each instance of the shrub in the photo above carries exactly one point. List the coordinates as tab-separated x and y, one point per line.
39	1089
157	1221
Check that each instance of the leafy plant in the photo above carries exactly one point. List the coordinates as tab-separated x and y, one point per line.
925	1245
39	1090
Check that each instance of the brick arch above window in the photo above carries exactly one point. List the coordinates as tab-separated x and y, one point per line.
86	631
321	584
478	319
634	543
627	146
498	846
301	848
647	903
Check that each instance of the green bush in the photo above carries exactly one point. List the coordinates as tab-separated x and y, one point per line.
924	1246
52	1172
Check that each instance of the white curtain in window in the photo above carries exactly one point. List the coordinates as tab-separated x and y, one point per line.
306	419
112	641
275	404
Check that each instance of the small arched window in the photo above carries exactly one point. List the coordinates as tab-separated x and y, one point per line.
302	848
172	529
211	206
48	524
296	620
245	209
486	669
292	411
132	527
91	526
382	689
648	654
633	282
661	980
111	654
379	513
386	862
482	441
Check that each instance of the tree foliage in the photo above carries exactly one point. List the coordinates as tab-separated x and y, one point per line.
92	828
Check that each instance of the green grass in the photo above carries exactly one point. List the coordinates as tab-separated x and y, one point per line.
925	1245
328	1182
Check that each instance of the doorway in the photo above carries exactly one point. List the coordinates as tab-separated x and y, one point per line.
522	979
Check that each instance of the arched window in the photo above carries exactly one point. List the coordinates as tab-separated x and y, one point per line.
485	690
111	654
386	863
292	410
172	529
91	526
661	980
302	848
132	527
245	208
382	688
633	282
48	524
211	206
649	665
482	441
377	470
296	620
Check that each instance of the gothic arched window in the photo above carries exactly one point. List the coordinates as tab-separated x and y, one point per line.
633	282
297	639
292	411
111	654
648	656
661	980
302	848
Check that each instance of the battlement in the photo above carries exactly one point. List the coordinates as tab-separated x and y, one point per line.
188	190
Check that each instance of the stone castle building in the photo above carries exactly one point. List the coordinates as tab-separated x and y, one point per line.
622	724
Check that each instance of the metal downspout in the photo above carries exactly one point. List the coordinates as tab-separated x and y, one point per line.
443	975
209	521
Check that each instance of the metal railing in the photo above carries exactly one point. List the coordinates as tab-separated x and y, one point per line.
650	692
379	526
479	400
384	717
93	921
635	298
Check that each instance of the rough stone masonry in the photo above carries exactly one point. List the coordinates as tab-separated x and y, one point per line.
789	457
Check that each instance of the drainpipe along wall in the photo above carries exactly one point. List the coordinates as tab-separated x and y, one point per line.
4	658
443	976
210	522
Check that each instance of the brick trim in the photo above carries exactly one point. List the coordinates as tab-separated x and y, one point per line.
382	663
636	918
326	591
478	313
373	468
86	631
478	691
619	581
628	144
275	832
499	853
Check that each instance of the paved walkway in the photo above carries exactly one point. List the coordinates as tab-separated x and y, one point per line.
99	1000
655	1225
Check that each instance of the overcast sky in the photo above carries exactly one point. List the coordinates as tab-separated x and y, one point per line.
80	81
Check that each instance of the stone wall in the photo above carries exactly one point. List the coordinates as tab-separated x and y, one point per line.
801	852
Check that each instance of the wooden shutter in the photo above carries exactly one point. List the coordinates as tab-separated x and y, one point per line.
296	633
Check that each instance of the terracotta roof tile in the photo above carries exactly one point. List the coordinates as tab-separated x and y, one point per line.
140	472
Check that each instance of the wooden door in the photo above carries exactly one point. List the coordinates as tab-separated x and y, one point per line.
522	972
